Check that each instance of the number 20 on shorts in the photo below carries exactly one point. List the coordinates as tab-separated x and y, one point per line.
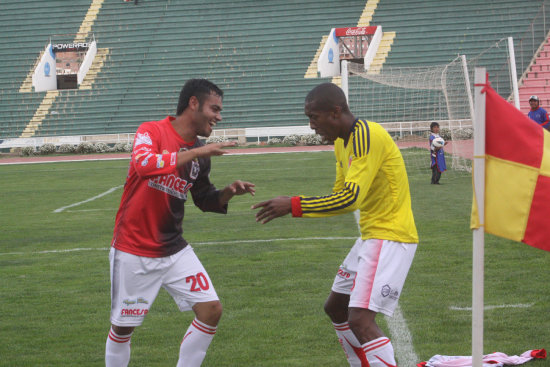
198	282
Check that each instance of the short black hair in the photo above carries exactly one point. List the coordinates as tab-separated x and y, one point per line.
433	124
199	88
326	96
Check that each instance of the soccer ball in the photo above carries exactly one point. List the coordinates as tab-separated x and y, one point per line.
438	142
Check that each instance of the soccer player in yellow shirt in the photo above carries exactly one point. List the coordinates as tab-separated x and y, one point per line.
371	178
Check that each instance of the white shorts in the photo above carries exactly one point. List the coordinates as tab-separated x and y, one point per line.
136	281
373	274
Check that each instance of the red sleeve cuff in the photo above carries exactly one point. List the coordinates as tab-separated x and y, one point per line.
296	206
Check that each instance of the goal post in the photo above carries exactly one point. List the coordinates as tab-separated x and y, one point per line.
405	100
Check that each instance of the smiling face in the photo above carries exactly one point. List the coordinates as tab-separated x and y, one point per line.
534	104
206	114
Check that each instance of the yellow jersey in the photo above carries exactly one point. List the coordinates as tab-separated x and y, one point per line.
371	177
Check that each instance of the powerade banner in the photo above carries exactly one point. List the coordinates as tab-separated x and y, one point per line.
62	47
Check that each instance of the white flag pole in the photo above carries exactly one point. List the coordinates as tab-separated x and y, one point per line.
513	72
344	73
478	233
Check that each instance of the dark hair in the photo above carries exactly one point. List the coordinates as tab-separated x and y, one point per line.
199	88
326	96
433	124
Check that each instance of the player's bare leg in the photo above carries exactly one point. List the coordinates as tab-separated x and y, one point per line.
200	333
117	348
208	312
363	324
377	347
362	339
336	307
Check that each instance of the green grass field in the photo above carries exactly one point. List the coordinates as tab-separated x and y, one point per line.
272	279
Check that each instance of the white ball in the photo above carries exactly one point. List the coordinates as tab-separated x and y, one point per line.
438	142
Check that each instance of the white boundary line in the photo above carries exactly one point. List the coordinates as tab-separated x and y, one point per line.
62	161
402	339
59	210
252	151
207	243
518	305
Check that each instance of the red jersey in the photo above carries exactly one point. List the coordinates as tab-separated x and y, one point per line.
149	219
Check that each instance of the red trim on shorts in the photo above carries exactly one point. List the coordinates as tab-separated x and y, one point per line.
373	271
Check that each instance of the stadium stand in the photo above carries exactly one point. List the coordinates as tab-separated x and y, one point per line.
257	52
537	80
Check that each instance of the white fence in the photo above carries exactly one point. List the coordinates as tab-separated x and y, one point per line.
242	135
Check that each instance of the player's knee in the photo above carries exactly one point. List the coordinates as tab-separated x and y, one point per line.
217	310
335	312
122	330
209	312
329	309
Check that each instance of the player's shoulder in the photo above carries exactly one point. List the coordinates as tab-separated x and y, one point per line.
361	138
369	134
153	125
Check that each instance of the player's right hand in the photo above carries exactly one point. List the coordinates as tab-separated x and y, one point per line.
213	149
274	208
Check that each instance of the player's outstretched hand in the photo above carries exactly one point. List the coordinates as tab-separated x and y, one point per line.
237	188
242	187
274	208
213	149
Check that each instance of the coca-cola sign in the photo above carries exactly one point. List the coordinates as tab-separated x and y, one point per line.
354	31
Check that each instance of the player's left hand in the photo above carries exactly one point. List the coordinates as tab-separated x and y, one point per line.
274	208
237	188
242	187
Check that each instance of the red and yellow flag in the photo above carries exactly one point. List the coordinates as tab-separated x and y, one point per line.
517	175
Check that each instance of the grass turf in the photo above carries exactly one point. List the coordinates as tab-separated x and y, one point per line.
272	279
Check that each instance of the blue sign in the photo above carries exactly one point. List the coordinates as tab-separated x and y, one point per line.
47	69
330	55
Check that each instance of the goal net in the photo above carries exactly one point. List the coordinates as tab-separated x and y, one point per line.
405	100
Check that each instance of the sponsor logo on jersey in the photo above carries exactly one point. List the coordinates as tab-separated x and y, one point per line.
146	160
140	152
343	274
143	139
129	302
172	185
387	291
160	161
142	300
195	169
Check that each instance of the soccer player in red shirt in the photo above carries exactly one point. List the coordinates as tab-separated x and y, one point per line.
148	251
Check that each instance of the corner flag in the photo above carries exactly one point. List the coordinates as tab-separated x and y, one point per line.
517	175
